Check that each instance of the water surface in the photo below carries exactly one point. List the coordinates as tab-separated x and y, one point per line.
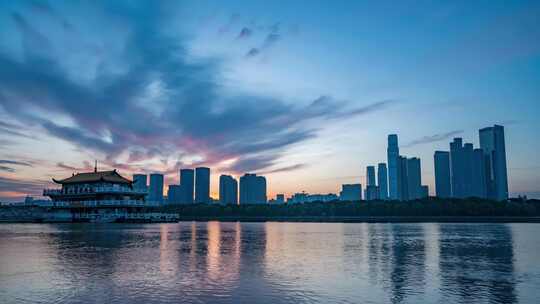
213	262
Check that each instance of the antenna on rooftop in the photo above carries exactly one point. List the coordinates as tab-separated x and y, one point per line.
95	167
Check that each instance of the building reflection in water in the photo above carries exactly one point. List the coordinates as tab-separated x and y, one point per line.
212	262
476	263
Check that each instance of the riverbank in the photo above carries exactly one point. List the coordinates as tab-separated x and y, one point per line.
368	219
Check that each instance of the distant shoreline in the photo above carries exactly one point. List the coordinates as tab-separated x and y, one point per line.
338	219
369	219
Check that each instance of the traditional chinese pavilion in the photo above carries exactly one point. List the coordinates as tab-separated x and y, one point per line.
101	196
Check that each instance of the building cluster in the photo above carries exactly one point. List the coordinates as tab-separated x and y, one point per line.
461	172
468	172
194	187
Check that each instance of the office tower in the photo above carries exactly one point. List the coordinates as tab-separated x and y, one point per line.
442	174
280	198
187	177
202	185
174	194
370	176
457	170
468	151
155	192
372	193
252	189
414	178
351	192
393	164
493	144
479	183
424	192
382	178
403	188
228	190
140	182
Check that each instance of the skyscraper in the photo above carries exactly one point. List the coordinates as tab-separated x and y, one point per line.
382	178
479	183
457	168
155	192
187	177
202	185
370	176
140	182
174	194
393	163
228	190
442	174
414	178
468	151
351	192
252	189
403	188
493	144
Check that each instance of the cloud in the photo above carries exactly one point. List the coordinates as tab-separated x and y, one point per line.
6	169
12	162
86	167
433	138
245	33
285	169
160	104
253	52
13	189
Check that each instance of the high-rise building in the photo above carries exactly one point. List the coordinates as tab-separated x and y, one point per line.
468	151
382	178
424	192
280	198
140	182
228	190
442	174
252	189
371	193
155	192
187	177
174	194
479	183
493	144
370	176
351	192
202	185
393	164
403	188
414	178
457	168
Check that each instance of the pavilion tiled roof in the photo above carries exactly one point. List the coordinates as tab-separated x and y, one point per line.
92	177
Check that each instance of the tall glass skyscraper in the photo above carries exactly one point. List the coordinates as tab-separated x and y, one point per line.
393	163
370	176
187	178
228	190
252	189
443	188
202	185
155	191
493	145
382	178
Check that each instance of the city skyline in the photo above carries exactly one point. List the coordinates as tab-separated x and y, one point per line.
259	87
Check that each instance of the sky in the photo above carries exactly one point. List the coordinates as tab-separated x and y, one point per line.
303	92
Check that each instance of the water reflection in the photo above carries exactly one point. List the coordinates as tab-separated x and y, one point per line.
213	262
476	262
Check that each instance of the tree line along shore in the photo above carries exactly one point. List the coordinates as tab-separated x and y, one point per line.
424	210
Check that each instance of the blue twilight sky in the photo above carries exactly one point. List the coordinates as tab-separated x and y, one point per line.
304	92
